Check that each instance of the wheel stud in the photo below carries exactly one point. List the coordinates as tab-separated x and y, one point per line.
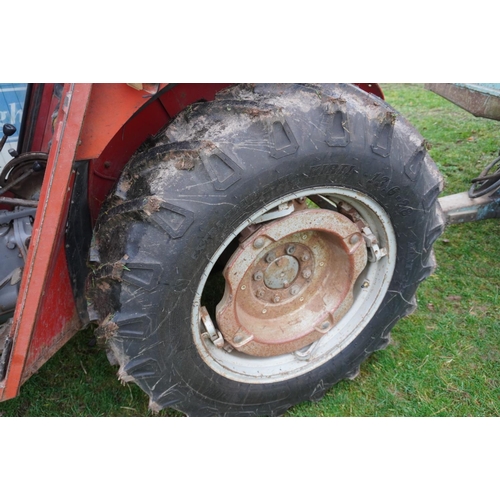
294	290
258	276
260	293
354	239
305	257
270	257
276	299
306	274
290	249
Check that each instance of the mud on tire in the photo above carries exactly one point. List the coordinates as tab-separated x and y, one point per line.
177	214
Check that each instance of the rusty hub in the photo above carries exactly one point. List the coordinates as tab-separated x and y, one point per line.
290	282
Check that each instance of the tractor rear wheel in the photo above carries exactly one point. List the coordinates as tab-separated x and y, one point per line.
263	247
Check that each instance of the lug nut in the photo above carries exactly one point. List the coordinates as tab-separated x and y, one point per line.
270	257
258	276
276	299
354	239
306	274
260	293
294	290
258	243
305	257
290	249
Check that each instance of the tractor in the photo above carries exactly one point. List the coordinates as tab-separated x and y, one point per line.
240	248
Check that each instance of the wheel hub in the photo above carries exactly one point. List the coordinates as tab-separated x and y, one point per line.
281	272
290	282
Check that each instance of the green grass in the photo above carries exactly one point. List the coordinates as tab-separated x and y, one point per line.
444	360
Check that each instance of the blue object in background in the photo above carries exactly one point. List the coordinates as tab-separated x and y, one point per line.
485	88
12	96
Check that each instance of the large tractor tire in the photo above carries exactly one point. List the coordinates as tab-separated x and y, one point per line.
263	246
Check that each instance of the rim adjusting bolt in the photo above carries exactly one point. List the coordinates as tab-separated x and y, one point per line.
258	243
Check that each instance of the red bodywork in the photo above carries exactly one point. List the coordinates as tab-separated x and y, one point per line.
104	124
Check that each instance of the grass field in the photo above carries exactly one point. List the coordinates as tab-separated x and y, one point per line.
444	360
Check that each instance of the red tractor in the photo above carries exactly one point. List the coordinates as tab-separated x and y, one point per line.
241	248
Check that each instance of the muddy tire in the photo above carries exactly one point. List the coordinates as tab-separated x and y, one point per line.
225	173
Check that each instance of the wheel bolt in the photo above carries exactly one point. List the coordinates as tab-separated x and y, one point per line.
270	257
258	276
290	249
306	274
294	290
258	243
305	257
276	299
260	293
354	239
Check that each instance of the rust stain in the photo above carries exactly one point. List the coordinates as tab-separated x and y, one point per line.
290	282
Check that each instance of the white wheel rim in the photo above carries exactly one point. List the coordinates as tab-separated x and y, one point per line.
258	370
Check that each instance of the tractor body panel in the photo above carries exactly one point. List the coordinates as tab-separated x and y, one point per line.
103	124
